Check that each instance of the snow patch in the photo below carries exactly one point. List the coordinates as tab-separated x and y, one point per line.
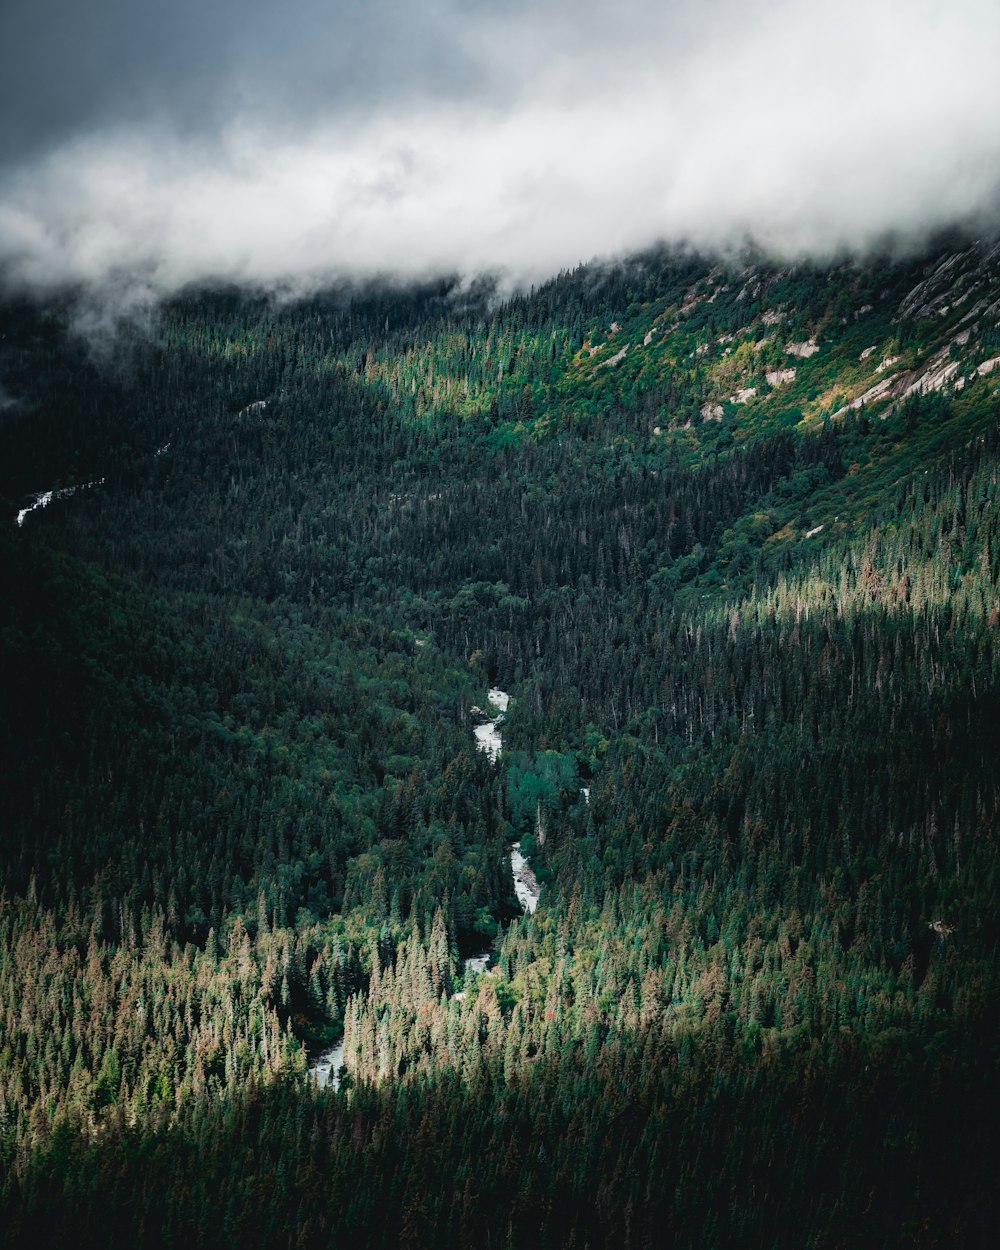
43	499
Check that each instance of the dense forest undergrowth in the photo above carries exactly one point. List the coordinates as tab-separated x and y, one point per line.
727	534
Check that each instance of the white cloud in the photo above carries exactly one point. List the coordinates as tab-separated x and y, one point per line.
809	127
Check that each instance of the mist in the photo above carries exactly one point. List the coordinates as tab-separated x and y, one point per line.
212	144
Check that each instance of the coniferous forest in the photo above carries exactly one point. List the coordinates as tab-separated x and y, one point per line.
726	533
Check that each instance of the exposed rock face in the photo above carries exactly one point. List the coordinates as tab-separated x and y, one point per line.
954	280
938	374
879	391
941	287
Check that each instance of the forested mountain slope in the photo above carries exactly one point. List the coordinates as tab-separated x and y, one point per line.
727	534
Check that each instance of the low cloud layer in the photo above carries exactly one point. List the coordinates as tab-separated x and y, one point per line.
222	144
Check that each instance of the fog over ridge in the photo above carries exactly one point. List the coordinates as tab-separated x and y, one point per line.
353	140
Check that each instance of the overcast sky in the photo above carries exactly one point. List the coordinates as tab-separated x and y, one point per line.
285	143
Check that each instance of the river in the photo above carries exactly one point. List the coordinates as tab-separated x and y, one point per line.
326	1068
328	1063
489	739
487	735
526	885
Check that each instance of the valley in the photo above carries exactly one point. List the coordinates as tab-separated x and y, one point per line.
520	771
